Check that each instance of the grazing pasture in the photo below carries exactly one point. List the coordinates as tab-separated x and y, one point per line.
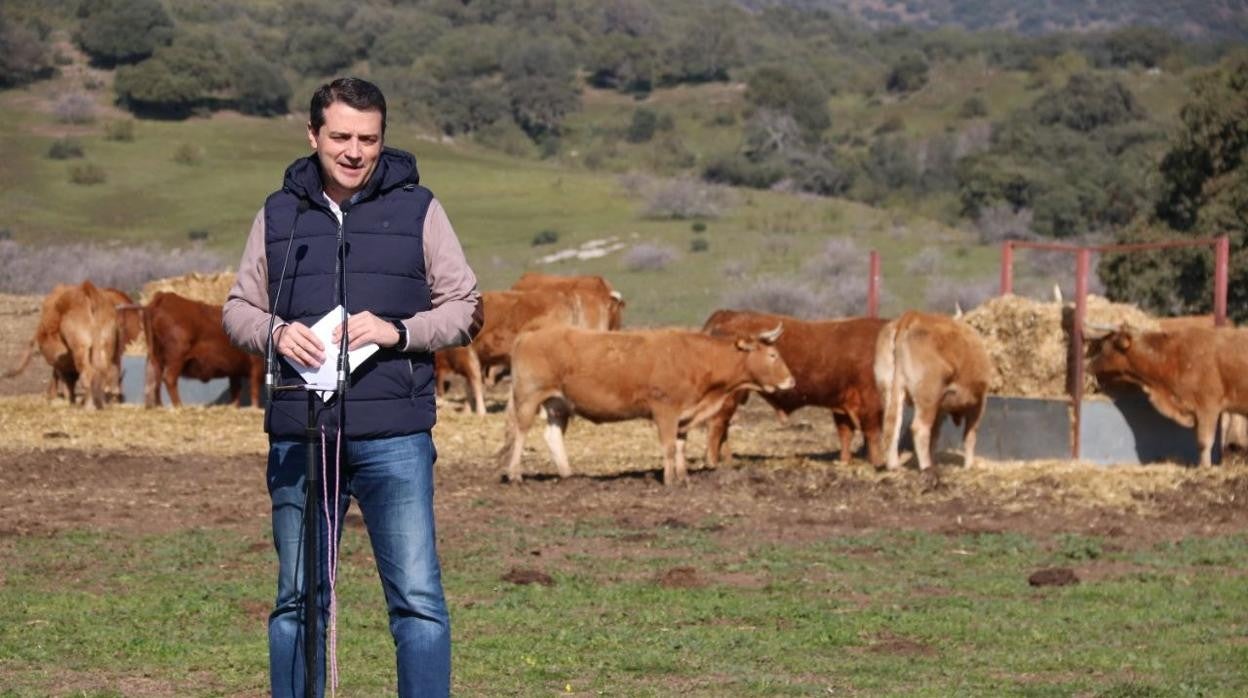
135	560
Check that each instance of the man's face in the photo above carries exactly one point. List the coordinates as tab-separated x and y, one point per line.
347	145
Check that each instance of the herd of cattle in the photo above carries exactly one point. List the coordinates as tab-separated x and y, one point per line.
560	340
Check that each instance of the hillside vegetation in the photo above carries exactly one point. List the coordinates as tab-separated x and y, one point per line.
736	152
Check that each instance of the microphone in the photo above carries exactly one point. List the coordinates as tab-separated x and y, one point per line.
270	377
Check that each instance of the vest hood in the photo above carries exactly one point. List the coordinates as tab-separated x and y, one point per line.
395	168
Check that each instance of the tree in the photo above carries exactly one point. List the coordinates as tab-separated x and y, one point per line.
23	57
191	72
116	32
788	90
259	87
1086	102
321	50
908	74
1204	193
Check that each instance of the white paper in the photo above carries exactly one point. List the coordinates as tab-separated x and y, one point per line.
325	378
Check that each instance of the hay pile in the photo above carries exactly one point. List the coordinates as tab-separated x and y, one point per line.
1028	340
205	288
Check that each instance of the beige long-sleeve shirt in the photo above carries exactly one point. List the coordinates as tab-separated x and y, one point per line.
453	321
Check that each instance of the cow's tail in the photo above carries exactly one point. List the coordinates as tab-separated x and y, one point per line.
24	361
891	385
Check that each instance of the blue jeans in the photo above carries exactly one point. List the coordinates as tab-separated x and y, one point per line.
392	480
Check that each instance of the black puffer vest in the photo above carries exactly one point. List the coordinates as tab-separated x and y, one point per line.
392	393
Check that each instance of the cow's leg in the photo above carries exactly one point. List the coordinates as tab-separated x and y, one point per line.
475	383
557	416
717	428
844	434
520	414
172	370
151	380
971	432
1206	432
236	391
925	416
682	470
872	434
935	433
668	425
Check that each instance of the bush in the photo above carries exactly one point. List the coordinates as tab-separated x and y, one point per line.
740	171
645	122
974	107
839	257
1001	222
122	131
685	198
648	257
123	31
892	124
908	74
37	268
699	245
698	227
65	149
926	263
187	154
546	237
87	173
74	108
779	296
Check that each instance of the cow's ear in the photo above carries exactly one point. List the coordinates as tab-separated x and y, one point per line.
1123	341
746	344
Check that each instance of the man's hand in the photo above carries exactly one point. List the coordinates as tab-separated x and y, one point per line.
364	327
297	342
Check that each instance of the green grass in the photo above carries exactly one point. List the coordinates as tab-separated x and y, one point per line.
888	613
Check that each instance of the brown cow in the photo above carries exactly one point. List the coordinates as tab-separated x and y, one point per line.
677	378
831	360
1191	375
595	287
76	324
462	361
185	338
939	365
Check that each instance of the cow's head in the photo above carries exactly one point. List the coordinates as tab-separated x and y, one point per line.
763	362
1110	352
615	311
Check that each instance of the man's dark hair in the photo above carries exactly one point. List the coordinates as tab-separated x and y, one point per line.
353	92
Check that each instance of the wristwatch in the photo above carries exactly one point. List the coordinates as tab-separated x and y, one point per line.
402	343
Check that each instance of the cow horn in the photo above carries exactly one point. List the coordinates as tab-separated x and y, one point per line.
1093	330
1057	293
957	311
770	336
617	295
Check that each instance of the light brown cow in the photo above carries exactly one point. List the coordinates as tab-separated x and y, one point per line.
80	338
1191	375
939	365
832	362
596	288
677	378
185	338
464	362
508	313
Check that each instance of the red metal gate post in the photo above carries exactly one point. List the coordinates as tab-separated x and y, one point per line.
1082	264
873	285
1007	267
1221	266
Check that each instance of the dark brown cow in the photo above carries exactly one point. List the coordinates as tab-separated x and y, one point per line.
940	365
462	361
677	378
80	327
1191	375
185	338
832	362
595	287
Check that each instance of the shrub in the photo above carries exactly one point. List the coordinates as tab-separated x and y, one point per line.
37	268
1001	222
780	296
973	107
648	257
685	198
187	154
644	124
74	108
122	131
908	74
698	227
87	173
699	245
839	257
546	237
65	149
926	263
197	235
892	124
